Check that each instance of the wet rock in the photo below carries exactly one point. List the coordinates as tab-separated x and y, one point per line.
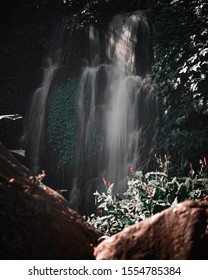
35	221
180	232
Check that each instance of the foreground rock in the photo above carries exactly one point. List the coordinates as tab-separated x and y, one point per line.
35	222
176	233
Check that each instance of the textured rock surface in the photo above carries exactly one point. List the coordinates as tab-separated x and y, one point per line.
35	222
180	232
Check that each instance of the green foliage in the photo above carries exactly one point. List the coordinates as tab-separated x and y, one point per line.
19	152
180	69
62	120
146	195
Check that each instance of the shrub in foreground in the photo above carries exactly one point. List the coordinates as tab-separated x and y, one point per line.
146	195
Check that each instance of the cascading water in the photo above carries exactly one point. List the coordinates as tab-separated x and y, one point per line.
36	118
116	121
35	126
114	128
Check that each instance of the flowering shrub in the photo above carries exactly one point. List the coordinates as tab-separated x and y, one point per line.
146	195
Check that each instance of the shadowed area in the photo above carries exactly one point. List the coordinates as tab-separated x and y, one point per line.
36	222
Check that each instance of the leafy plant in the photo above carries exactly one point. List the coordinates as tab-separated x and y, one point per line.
180	71
14	117
11	117
146	195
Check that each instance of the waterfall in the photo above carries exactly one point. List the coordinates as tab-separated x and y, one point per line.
36	123
122	39
111	129
36	118
116	111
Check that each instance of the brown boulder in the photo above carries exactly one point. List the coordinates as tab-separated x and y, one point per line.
177	233
35	221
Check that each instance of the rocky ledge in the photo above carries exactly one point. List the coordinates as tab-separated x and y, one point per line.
177	233
35	221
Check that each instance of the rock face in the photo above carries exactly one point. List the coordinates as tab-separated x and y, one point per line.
35	221
180	232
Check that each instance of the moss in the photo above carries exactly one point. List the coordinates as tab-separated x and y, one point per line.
62	120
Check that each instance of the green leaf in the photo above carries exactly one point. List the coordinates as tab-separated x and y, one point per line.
18	152
110	189
102	205
11	117
96	193
175	202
